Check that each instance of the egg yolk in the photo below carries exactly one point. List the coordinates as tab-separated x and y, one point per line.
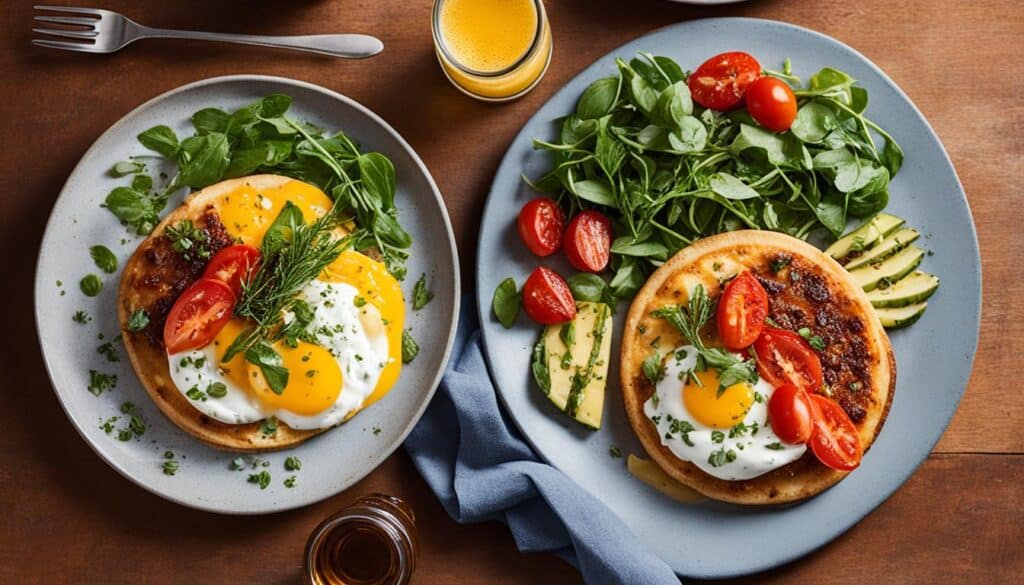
247	213
314	376
719	412
314	380
383	293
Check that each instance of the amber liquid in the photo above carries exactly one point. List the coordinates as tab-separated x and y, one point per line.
356	553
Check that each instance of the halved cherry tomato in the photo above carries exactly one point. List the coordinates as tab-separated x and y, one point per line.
547	298
588	241
720	82
789	410
540	226
785	357
741	311
771	102
198	315
835	441
233	265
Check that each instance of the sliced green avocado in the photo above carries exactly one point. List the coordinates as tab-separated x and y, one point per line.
889	270
868	235
897	317
890	245
912	289
570	363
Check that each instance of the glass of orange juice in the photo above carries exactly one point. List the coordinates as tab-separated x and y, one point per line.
493	50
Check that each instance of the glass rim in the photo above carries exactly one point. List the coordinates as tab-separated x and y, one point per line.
530	51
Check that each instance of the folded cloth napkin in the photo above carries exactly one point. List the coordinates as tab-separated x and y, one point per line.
481	469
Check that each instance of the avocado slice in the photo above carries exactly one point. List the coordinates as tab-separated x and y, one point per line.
868	235
570	362
889	246
914	288
889	270
897	317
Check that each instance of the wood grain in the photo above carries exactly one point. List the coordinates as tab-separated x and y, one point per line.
67	517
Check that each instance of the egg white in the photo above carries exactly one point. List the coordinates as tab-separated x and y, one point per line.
338	325
753	457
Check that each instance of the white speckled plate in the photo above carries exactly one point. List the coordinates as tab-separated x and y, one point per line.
330	462
934	356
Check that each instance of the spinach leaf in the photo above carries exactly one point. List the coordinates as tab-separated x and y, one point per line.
202	160
161	139
730	187
598	99
210	120
378	176
506	302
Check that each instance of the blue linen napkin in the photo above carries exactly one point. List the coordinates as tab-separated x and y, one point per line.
481	469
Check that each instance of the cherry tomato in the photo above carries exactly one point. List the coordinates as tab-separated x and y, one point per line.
233	265
741	311
720	82
835	441
540	225
783	357
789	410
198	315
771	102
588	241
547	298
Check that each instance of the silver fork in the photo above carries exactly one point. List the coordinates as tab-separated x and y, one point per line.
105	31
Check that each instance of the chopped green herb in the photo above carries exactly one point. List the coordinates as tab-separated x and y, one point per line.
721	457
168	454
138	320
653	368
105	259
376	430
717	436
410	349
81	317
91	285
170	467
289	481
238	463
779	263
99	382
262	478
109	351
217	390
420	295
615	452
188	240
194	393
776	446
359	301
269	426
292	464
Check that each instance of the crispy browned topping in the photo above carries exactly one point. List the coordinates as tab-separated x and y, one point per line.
799	298
163	274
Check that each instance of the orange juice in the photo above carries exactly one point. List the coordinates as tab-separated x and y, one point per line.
492	49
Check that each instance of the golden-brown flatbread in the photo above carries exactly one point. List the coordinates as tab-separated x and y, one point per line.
806	288
153	278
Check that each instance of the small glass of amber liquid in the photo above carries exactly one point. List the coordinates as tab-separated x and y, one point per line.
492	50
372	542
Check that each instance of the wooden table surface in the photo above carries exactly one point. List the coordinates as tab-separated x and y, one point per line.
68	517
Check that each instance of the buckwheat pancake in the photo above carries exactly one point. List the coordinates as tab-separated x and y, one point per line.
806	288
153	279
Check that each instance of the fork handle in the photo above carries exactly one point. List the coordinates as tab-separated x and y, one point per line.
349	46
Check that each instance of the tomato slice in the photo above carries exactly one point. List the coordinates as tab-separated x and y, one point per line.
789	411
771	102
588	241
540	226
835	441
198	315
720	82
742	309
547	298
783	357
233	265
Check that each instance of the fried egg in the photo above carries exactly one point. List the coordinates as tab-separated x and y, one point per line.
726	435
351	356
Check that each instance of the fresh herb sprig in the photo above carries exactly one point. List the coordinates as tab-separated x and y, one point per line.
689	320
667	171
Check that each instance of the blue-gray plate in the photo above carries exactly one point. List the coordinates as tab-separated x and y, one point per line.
331	461
934	356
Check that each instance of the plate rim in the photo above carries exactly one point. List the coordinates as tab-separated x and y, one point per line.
483	309
310	497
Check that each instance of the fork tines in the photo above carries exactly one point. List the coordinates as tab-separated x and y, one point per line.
79	28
